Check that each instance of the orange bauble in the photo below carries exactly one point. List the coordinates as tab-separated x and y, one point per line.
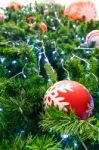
43	26
81	9
40	25
70	95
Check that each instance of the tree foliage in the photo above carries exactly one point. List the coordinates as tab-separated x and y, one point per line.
31	60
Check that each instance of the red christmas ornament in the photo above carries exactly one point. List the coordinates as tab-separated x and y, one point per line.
93	36
70	95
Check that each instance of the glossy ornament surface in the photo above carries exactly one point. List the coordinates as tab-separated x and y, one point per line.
70	95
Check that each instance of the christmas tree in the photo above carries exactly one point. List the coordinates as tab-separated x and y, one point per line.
40	46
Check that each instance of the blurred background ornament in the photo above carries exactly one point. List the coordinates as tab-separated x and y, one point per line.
93	36
2	15
30	19
81	10
14	5
49	1
46	11
43	26
39	26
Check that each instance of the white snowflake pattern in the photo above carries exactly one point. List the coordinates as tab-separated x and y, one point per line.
87	10
90	108
73	9
53	95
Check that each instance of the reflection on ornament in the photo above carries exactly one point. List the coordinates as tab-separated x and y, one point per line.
93	36
70	95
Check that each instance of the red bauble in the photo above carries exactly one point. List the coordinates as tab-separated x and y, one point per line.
70	95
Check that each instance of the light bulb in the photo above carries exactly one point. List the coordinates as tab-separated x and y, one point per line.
14	62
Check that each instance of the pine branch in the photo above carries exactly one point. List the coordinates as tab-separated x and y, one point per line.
41	143
60	122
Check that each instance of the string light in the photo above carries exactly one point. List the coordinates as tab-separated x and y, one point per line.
62	52
53	28
1	109
48	17
84	48
26	58
9	71
20	73
2	59
64	136
40	51
54	52
22	132
59	21
62	62
75	144
84	60
27	40
24	76
14	62
49	80
74	26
